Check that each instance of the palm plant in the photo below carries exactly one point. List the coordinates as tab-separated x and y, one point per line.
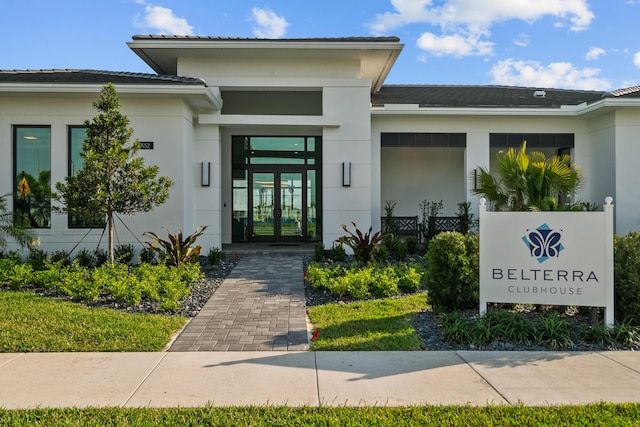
10	231
528	181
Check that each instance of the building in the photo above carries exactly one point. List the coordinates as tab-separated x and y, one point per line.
284	140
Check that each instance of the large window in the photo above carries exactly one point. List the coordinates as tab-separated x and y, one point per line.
32	176
76	137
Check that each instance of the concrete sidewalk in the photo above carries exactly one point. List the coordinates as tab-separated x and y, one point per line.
187	379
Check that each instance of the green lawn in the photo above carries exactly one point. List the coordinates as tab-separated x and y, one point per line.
589	415
31	323
370	325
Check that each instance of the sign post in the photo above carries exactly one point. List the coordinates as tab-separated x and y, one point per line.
557	258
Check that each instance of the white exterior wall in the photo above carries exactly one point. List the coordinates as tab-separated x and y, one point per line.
627	174
161	121
345	101
458	185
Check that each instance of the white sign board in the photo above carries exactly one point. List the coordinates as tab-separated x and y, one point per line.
561	258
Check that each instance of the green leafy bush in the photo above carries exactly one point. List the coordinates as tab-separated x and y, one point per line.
116	279
319	275
215	256
147	255
554	332
21	276
338	253
6	269
37	258
412	244
410	277
397	247
61	256
318	251
355	283
385	281
453	271
75	281
85	258
626	263
123	253
101	256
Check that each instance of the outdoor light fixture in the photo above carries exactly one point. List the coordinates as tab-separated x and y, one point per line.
206	174
346	174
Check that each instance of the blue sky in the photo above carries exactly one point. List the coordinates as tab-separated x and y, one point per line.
574	44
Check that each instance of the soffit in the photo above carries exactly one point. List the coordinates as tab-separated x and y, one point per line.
376	54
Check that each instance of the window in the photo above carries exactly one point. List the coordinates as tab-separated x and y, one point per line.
32	176
76	137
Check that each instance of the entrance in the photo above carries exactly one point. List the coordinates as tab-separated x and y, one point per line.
276	189
276	206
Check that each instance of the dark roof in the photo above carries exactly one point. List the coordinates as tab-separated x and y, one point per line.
630	92
482	96
92	76
244	39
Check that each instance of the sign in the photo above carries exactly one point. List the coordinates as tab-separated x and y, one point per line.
146	145
559	258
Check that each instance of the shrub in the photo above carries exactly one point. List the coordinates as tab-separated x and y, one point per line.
398	248
177	250
75	281
453	274
385	282
318	251
554	332
410	277
412	244
355	283
215	256
381	254
337	253
147	256
389	224
101	256
85	258
21	276
37	258
123	253
61	256
318	276
6	269
116	279
626	261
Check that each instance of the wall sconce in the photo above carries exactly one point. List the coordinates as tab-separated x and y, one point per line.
346	174
206	174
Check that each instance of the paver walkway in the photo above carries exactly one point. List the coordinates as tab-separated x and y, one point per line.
259	306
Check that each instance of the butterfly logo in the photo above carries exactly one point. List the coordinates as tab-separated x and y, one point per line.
543	242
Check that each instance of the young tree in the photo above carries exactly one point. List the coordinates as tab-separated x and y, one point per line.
528	181
112	179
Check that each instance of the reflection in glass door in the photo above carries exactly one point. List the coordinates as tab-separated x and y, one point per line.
277	200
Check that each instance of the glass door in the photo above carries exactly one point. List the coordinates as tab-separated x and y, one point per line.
276	206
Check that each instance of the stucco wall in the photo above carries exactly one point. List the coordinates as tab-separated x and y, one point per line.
162	121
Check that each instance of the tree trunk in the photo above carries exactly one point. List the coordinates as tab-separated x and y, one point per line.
110	224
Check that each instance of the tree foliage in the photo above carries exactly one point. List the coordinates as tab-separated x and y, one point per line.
525	181
113	179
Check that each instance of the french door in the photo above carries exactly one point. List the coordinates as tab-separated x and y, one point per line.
277	205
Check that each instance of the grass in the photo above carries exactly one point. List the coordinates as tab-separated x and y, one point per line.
32	323
602	414
370	325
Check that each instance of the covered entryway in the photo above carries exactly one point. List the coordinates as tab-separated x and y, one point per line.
275	189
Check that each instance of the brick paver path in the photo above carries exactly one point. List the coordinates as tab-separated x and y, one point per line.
259	306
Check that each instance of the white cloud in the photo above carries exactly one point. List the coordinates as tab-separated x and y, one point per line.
472	19
474	13
268	24
594	53
555	75
454	45
522	40
636	59
164	21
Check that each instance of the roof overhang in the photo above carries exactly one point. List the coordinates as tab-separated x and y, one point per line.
376	55
201	98
584	111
